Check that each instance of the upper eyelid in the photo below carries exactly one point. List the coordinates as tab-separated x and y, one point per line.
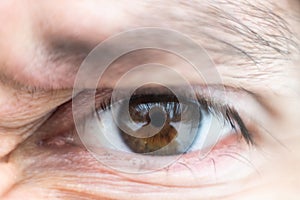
65	112
219	94
211	91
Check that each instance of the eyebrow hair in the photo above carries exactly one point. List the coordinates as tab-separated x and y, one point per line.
250	32
262	37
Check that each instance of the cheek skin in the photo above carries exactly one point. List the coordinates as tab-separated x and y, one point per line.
8	177
279	178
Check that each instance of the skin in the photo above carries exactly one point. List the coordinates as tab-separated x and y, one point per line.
42	45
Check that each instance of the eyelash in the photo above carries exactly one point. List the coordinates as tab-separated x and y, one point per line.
231	116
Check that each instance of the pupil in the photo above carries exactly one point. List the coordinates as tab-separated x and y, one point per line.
157	117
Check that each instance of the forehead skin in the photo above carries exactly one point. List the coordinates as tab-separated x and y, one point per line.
236	33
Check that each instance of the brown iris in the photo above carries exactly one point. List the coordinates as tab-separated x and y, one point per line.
154	114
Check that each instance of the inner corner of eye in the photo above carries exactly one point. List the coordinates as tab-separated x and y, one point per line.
59	140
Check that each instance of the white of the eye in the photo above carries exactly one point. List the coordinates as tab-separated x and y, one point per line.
111	132
212	129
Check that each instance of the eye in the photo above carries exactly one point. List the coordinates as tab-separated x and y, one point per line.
159	128
154	123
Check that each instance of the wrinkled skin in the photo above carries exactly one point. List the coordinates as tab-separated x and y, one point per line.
36	82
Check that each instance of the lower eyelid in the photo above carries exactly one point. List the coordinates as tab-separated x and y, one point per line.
76	172
200	163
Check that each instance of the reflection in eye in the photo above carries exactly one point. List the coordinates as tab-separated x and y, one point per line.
176	130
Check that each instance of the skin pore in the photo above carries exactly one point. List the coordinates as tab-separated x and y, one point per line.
254	44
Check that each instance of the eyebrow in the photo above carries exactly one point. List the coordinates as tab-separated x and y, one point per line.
249	33
233	33
261	38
